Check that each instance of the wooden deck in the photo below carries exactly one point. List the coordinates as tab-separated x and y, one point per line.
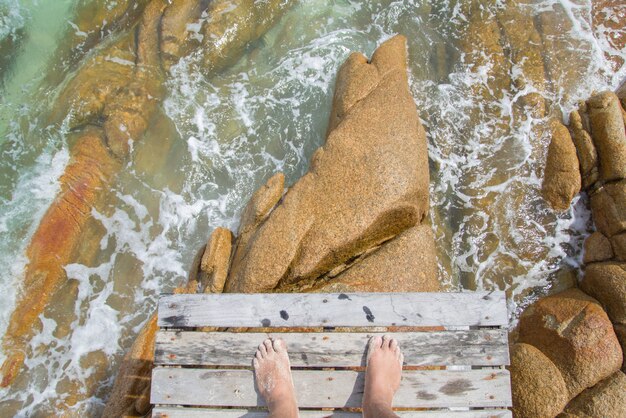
209	373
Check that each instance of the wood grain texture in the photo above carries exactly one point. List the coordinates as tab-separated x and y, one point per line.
333	349
165	412
333	389
333	309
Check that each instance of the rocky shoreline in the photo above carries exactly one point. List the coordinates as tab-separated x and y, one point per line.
569	355
359	219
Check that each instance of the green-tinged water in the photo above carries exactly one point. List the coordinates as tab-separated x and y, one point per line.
216	139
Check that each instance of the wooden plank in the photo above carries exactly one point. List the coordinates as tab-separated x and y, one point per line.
474	347
333	309
165	412
332	389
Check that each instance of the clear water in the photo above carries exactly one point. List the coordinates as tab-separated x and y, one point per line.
218	139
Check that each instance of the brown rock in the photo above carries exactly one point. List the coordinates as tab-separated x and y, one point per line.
355	80
564	56
407	263
175	42
597	248
561	180
216	259
233	26
256	211
53	245
524	43
132	384
620	331
573	331
93	21
618	242
100	77
609	137
608	208
607	283
537	386
128	113
586	151
607	399
365	186
482	45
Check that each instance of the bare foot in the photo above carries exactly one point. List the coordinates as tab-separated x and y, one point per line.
382	376
272	372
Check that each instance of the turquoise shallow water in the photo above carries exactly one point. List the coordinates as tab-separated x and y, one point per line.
217	139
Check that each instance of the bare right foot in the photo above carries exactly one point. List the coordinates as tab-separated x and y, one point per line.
272	372
382	376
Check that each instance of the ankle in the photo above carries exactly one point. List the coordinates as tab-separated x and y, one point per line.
377	408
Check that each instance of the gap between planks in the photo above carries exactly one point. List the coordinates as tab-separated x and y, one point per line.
333	349
332	389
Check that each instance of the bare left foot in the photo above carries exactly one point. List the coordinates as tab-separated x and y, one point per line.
272	372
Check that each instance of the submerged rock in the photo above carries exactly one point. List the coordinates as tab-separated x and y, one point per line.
562	176
574	332
91	169
175	40
233	26
538	389
524	44
367	184
607	399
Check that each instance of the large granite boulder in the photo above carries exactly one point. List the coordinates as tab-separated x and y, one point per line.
608	208
366	185
607	399
609	136
597	248
607	283
538	389
585	149
574	332
618	245
562	176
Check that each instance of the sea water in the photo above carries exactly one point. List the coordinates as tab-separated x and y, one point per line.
217	139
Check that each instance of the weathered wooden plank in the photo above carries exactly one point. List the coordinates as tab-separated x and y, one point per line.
441	348
333	309
332	389
165	412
